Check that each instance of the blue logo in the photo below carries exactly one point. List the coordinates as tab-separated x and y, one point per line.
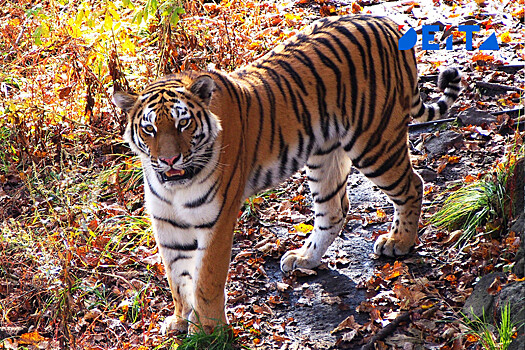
409	39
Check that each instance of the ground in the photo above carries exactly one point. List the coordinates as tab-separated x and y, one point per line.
78	263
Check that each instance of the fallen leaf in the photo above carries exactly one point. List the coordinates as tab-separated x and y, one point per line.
482	57
304	272
262	309
453	237
495	287
347	323
32	338
303	228
505	37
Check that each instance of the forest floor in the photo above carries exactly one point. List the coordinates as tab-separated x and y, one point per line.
78	263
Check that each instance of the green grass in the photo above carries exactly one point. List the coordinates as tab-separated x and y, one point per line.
222	338
7	152
483	207
491	337
471	207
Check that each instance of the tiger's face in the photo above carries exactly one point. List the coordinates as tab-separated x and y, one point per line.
171	128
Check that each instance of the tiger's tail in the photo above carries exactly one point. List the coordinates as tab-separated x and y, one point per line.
449	80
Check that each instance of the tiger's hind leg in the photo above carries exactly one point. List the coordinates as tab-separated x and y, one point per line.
327	178
396	178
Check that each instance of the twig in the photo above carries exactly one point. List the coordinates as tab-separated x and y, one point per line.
515	111
497	87
430	123
107	274
391	327
230	49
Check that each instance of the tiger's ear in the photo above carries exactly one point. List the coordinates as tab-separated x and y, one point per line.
203	88
124	101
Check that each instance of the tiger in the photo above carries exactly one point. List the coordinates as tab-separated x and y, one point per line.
338	94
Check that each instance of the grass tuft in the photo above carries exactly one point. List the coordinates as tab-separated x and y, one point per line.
491	337
222	338
483	206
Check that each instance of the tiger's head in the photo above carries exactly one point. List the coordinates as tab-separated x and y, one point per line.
171	127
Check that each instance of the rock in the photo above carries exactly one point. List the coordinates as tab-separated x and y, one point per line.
517	344
480	301
514	295
443	142
428	175
518	182
519	228
472	116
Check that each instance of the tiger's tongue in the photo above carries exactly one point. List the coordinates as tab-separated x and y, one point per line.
175	172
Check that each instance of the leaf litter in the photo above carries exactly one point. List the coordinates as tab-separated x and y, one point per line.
79	266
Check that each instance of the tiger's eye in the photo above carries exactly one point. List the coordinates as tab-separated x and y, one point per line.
183	122
150	129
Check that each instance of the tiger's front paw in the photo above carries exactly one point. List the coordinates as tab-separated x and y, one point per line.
392	245
174	323
297	259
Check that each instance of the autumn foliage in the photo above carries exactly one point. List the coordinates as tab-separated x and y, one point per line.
78	263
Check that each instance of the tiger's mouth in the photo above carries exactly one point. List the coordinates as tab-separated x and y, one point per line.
177	175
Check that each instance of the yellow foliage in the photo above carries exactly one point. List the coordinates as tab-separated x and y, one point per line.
505	37
304	228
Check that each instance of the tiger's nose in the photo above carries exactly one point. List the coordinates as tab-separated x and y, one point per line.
172	160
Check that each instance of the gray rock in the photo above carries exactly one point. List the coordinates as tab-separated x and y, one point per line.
519	228
428	175
472	116
439	145
480	301
517	344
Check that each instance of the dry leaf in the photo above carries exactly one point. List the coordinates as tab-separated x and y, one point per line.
495	287
303	272
33	338
348	323
453	237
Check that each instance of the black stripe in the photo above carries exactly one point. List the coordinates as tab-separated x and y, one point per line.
312	179
321	152
295	165
358	129
442	106
181	247
186	274
431	113
179	257
328	44
268	180
173	222
421	111
261	123
293	73
388	164
283	154
300	145
397	182
332	194
152	190
277	79
270	96
200	201
208	224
